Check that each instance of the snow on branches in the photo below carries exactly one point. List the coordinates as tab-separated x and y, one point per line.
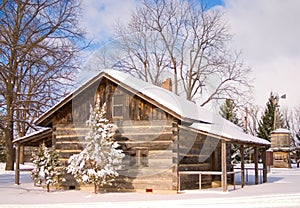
46	167
100	160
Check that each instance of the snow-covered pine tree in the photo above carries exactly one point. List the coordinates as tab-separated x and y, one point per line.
100	160
46	167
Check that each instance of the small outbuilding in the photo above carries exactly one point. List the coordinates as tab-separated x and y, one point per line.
281	145
170	143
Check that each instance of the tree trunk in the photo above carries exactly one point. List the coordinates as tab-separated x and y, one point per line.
95	188
48	187
9	150
20	128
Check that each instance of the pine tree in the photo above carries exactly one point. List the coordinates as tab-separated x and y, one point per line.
100	160
266	124
229	112
46	167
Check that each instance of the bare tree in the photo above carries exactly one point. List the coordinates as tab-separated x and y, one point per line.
184	39
292	120
296	119
251	119
39	43
295	125
140	54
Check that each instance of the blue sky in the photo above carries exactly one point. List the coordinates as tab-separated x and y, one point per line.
211	3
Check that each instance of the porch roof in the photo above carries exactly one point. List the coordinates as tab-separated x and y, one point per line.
225	130
35	138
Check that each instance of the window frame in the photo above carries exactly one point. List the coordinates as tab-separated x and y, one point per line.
118	105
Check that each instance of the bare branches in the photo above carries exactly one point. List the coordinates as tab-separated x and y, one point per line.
183	40
39	41
292	120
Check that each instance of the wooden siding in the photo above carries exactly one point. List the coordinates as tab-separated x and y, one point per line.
147	135
279	140
198	152
281	145
149	149
281	160
191	159
69	140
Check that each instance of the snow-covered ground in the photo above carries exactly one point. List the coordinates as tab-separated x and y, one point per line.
282	190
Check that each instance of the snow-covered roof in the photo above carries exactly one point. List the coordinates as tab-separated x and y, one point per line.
281	130
42	131
224	129
185	110
282	148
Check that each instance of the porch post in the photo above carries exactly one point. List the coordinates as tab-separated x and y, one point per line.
223	165
256	163
289	159
265	168
175	159
21	159
296	157
17	170
242	165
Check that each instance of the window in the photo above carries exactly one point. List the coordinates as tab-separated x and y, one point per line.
278	157
139	157
118	106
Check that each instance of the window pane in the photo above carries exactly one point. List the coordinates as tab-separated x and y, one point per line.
118	99
118	111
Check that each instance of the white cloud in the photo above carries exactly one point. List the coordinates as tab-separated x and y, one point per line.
267	32
100	16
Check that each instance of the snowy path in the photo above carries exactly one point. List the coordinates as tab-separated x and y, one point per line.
282	190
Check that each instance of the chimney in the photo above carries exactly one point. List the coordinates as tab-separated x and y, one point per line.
167	84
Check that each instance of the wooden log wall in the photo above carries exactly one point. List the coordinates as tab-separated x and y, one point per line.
280	140
281	159
147	135
193	158
150	162
123	105
69	140
28	150
198	152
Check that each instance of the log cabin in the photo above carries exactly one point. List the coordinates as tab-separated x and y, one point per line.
170	143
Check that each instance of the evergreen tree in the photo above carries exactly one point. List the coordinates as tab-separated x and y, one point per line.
229	112
99	161
46	167
266	124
